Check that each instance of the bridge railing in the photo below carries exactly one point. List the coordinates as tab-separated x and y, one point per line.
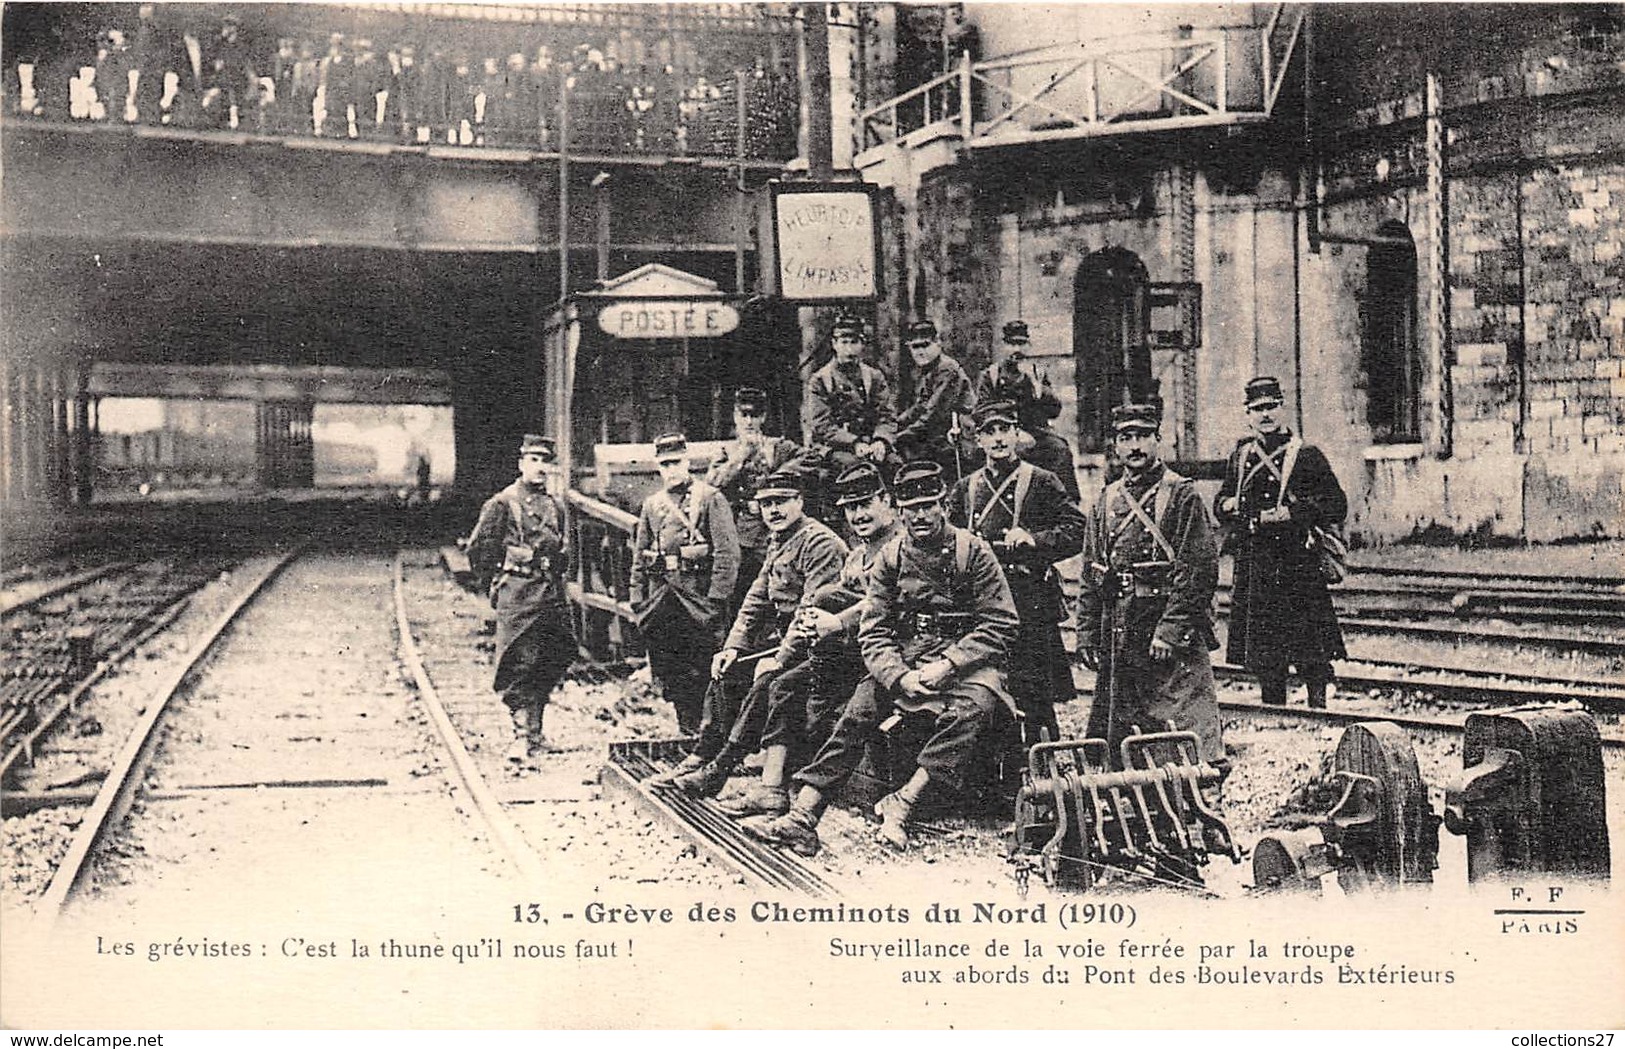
526	90
601	586
1181	78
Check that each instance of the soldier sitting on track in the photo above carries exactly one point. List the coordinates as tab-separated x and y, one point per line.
737	473
1278	493
848	411
517	551
937	625
803	557
1036	404
928	428
824	664
685	555
1145	609
1023	511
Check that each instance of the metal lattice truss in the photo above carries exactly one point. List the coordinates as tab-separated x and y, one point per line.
1180	79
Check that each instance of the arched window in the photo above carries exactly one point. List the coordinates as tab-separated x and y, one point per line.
1111	316
1389	355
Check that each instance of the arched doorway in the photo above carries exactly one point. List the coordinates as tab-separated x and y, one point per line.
1110	323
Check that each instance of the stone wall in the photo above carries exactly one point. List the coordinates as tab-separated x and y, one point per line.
1526	439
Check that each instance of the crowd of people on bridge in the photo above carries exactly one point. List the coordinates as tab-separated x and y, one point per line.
924	612
173	68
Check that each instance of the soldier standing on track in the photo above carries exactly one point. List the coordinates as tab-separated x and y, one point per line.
1024	513
1145	610
848	412
937	625
684	561
928	428
518	551
803	557
1036	404
1276	490
744	462
824	664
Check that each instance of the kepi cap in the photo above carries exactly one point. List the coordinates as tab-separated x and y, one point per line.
1265	389
669	447
847	324
917	483
921	330
858	484
995	411
1016	334
780	484
751	400
536	444
1141	418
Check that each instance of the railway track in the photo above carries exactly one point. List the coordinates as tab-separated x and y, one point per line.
319	769
630	763
67	633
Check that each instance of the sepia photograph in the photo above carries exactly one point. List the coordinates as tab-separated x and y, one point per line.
600	516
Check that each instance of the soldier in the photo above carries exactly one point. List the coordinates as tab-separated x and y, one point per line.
739	471
848	412
1276	491
1036	404
684	561
1146	604
928	428
824	664
1025	515
803	557
937	624
518	551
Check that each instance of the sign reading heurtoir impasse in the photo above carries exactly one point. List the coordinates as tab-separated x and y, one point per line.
661	319
825	238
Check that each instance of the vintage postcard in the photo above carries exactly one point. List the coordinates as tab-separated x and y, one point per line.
797	516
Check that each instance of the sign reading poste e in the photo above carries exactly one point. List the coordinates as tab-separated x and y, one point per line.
660	319
826	240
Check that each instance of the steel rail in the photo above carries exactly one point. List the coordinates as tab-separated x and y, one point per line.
1454	726
62	586
124	778
503	829
1458	685
48	720
714	833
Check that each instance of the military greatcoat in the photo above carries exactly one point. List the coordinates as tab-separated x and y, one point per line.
990	503
1280	612
686	552
942	391
1125	601
533	624
846	404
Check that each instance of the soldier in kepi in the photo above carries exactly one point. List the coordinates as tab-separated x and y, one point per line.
928	427
517	551
1145	608
803	557
1036	404
823	665
1024	513
737	473
1278	498
937	625
848	412
685	557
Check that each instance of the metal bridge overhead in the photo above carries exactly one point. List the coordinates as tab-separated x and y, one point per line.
1166	81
